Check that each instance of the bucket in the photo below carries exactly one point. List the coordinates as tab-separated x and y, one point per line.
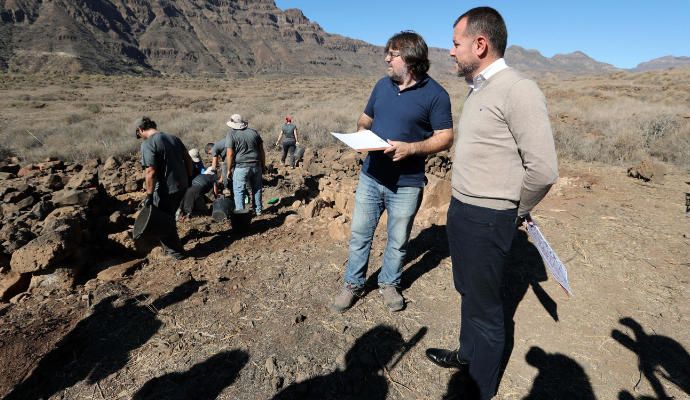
240	219
299	154
151	221
222	208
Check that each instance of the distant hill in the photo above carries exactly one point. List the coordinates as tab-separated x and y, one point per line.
662	63
208	37
577	63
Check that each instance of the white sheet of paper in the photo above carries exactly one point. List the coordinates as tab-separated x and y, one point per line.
362	140
553	263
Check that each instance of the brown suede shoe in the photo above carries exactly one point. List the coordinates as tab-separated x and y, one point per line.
347	296
392	298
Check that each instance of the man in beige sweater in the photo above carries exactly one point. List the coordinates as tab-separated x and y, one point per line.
505	163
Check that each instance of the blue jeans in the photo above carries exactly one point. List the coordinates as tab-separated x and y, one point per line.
247	174
371	200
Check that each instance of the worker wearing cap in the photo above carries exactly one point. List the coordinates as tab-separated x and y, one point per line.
245	161
197	163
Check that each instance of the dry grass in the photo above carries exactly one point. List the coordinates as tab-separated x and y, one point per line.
623	118
617	119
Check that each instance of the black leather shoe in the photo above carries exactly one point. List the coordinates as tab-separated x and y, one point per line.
446	358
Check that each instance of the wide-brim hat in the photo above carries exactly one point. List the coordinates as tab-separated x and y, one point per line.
236	122
194	154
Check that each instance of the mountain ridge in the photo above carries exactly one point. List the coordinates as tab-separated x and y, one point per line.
211	37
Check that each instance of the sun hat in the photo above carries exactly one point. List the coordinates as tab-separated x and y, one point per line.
236	122
194	153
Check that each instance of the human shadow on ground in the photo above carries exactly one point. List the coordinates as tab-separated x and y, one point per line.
625	395
524	269
560	377
372	355
100	344
461	387
203	381
431	244
656	354
221	240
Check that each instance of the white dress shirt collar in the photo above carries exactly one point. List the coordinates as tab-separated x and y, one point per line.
493	68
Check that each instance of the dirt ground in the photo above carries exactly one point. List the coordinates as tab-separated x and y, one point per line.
248	317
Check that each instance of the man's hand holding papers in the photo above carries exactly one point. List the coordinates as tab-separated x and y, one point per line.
399	150
361	141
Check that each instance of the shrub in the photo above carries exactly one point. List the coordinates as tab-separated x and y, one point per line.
94	108
71	119
612	119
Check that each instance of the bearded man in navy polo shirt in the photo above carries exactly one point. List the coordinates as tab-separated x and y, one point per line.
413	113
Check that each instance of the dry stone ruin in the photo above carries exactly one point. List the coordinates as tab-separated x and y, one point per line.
64	223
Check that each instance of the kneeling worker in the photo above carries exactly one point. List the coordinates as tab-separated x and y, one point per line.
201	185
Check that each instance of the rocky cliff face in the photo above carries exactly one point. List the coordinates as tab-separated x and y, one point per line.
218	37
212	37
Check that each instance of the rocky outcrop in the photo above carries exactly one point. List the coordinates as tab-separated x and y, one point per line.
647	171
45	251
55	215
335	199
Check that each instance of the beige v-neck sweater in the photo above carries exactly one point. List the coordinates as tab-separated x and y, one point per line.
504	155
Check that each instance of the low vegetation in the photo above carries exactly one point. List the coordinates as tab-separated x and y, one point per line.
615	119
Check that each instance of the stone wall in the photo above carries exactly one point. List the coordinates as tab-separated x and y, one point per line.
53	214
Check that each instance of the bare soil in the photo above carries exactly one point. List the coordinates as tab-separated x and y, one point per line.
248	317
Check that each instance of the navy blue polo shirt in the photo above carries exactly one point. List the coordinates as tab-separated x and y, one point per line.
409	115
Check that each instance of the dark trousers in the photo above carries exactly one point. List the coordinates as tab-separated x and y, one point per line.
479	241
289	146
191	196
169	203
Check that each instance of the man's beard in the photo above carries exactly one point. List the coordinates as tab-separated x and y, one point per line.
465	70
395	77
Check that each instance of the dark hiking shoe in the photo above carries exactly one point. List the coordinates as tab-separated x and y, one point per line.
392	298
346	298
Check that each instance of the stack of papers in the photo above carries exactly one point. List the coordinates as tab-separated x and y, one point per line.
553	263
362	140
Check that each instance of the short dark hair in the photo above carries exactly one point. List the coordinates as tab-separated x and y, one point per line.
413	50
209	147
488	22
145	123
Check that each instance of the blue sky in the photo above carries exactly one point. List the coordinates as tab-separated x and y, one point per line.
622	33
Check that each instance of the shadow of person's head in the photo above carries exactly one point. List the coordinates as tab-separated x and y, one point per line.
536	357
178	294
203	381
375	348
